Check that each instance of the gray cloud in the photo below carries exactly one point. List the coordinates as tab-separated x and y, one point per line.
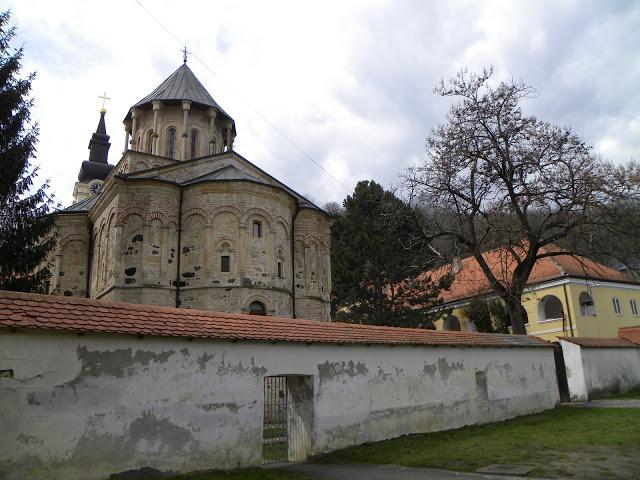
350	82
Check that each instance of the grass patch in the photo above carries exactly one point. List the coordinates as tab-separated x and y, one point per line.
243	474
633	394
555	441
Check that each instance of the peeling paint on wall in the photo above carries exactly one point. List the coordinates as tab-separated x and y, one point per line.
118	363
445	368
331	370
153	435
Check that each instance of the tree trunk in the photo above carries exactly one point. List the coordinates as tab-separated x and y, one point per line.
516	313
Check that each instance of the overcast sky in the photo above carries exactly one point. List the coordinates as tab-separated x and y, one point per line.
350	82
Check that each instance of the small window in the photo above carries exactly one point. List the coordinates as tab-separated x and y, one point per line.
171	142
617	308
257	229
150	141
279	269
257	308
194	144
587	307
225	263
634	307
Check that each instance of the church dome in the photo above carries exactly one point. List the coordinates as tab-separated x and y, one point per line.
181	85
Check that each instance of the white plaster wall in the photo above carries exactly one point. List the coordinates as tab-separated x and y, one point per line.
88	406
604	371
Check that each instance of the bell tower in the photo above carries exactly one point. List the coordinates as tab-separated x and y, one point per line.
95	170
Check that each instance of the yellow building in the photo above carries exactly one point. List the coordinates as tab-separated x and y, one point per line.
565	296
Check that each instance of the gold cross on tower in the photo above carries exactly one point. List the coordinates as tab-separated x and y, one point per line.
104	99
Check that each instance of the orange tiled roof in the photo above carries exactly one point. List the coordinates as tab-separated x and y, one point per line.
470	280
33	311
631	334
599	342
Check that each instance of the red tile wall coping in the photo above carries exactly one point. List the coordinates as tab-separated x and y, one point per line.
47	312
631	334
600	342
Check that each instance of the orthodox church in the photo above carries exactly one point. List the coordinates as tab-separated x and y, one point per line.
183	220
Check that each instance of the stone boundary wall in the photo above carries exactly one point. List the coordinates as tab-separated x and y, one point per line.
86	406
594	371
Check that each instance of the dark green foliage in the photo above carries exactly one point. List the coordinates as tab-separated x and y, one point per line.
376	260
25	239
489	316
478	312
499	316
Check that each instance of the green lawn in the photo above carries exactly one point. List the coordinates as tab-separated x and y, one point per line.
244	474
574	442
630	395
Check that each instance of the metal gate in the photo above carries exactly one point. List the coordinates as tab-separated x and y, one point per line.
275	435
561	373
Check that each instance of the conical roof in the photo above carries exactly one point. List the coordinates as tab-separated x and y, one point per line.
182	85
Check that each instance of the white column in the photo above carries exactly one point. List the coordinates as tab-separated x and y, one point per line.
186	106
212	132
229	136
134	129
157	106
127	128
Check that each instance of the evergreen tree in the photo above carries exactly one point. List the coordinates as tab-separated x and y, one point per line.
25	239
376	262
479	313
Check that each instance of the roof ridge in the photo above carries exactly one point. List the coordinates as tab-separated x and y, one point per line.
557	265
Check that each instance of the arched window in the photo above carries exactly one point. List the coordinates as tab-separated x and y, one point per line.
257	308
171	142
257	229
451	323
194	144
550	308
587	307
150	141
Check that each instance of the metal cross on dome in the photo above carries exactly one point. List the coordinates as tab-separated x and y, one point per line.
104	99
184	54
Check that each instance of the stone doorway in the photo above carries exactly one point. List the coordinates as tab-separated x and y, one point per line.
288	418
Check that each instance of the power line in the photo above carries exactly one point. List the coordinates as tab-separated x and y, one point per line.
254	109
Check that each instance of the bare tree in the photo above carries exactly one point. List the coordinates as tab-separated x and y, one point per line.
495	178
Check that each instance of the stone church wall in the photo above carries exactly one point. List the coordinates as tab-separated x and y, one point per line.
312	265
135	248
70	257
85	407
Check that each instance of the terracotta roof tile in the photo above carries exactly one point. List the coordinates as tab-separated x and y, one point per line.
631	334
470	280
599	342
46	312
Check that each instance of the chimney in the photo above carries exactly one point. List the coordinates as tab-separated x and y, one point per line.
456	265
